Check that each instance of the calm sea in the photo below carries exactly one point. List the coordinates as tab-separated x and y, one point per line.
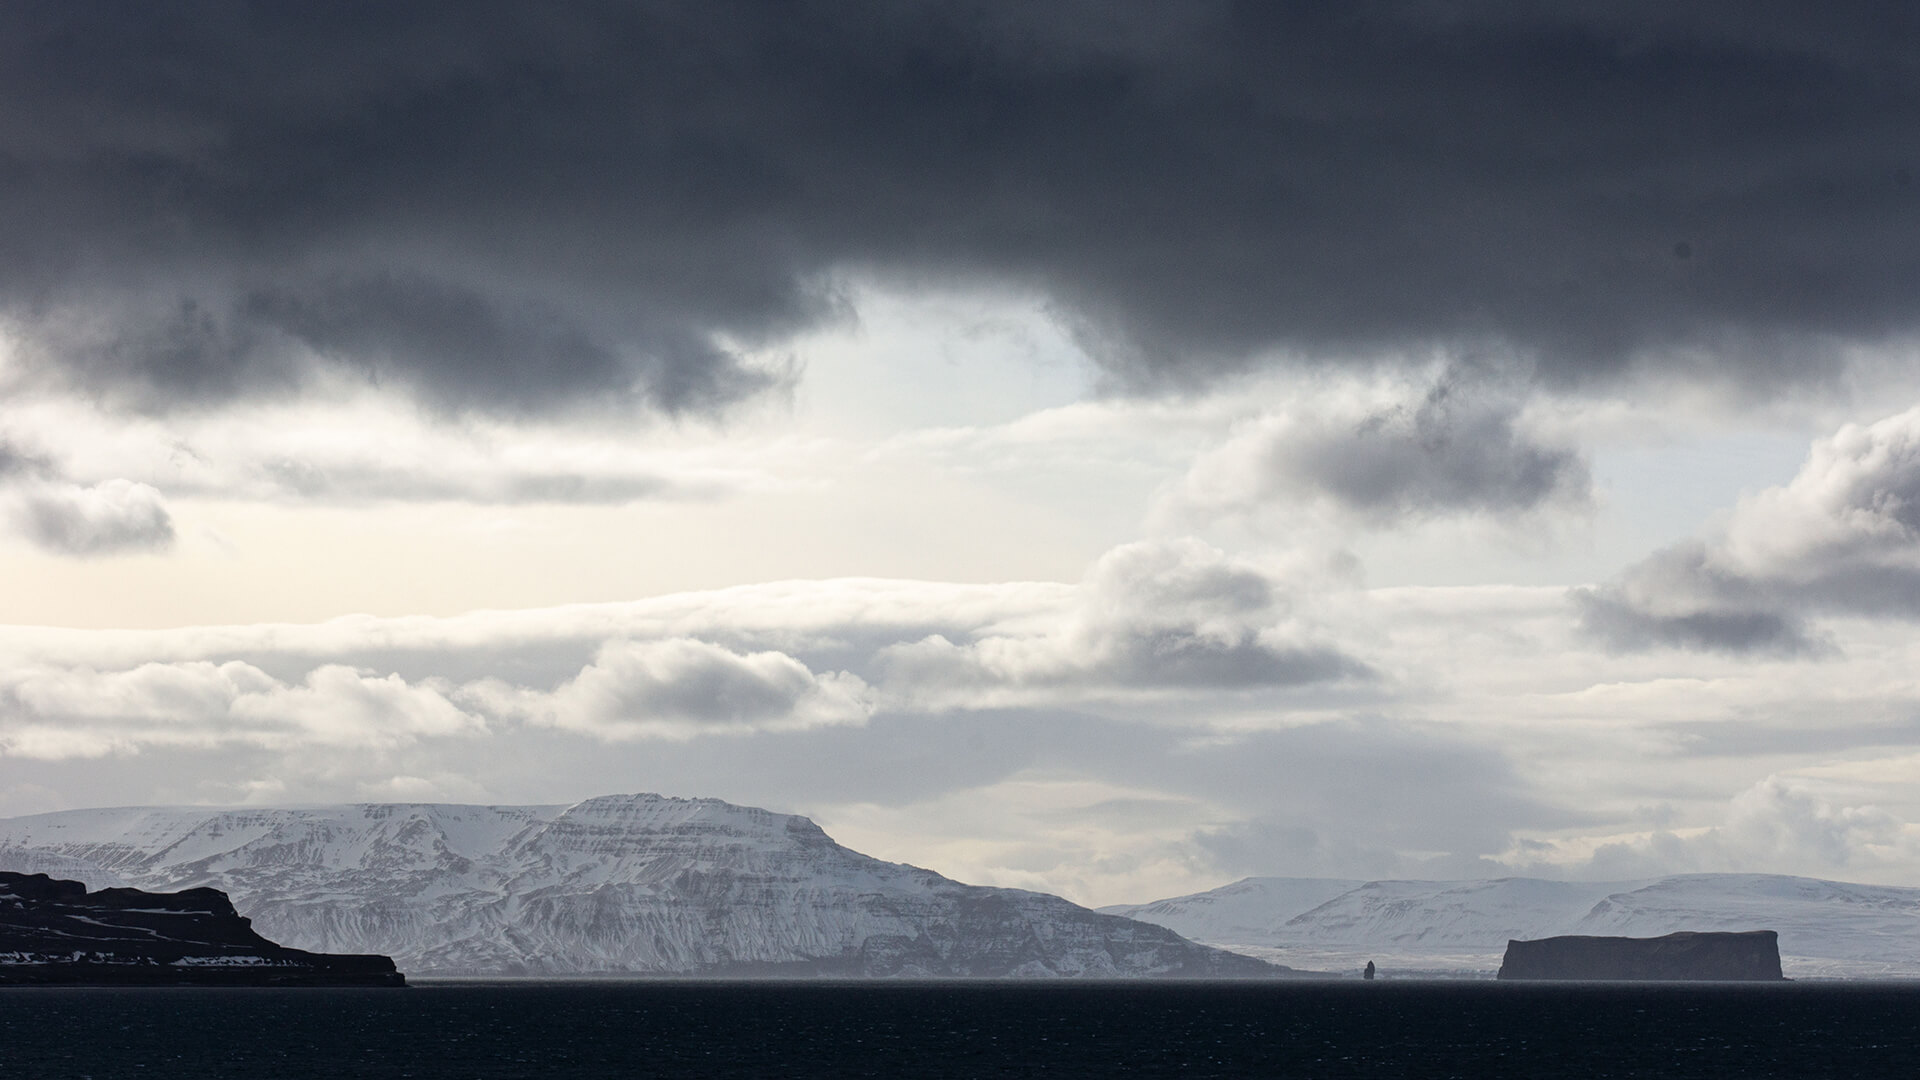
647	1029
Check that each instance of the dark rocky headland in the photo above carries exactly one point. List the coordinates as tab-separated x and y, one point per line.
55	932
1750	956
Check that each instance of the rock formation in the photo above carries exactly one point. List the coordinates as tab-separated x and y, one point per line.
56	932
1683	957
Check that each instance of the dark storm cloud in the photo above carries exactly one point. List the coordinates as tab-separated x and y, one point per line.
512	207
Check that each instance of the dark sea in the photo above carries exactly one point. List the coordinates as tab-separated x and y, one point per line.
699	1029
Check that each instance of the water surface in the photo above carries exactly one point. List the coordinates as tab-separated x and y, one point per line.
679	1029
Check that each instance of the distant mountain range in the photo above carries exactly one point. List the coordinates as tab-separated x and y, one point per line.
640	884
1827	928
628	884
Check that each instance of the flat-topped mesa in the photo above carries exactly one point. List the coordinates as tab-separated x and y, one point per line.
56	932
1749	956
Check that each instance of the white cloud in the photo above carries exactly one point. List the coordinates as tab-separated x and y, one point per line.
109	518
1781	824
675	688
361	450
1843	536
341	706
1153	616
1170	616
439	787
79	712
1387	455
680	688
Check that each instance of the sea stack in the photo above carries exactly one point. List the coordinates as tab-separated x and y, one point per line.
55	932
1750	956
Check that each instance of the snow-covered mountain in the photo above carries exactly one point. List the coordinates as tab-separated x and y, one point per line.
1243	913
620	884
1826	928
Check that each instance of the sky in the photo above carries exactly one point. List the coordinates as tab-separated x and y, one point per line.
1107	449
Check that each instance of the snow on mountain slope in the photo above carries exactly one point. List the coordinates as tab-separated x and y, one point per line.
619	884
1447	915
35	861
1247	912
1826	927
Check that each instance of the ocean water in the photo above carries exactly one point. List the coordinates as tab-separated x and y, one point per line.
694	1029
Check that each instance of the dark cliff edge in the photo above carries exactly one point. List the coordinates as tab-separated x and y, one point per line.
55	932
1750	956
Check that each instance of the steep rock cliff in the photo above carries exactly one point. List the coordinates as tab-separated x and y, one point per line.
54	931
1680	957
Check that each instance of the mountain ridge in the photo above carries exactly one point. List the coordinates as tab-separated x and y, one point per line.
625	884
1827	928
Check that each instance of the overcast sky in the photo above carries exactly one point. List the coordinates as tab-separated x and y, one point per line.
1105	448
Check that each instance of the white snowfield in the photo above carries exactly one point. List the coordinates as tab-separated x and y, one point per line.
1827	928
620	884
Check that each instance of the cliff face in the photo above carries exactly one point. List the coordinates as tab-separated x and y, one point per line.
54	931
1752	956
629	884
